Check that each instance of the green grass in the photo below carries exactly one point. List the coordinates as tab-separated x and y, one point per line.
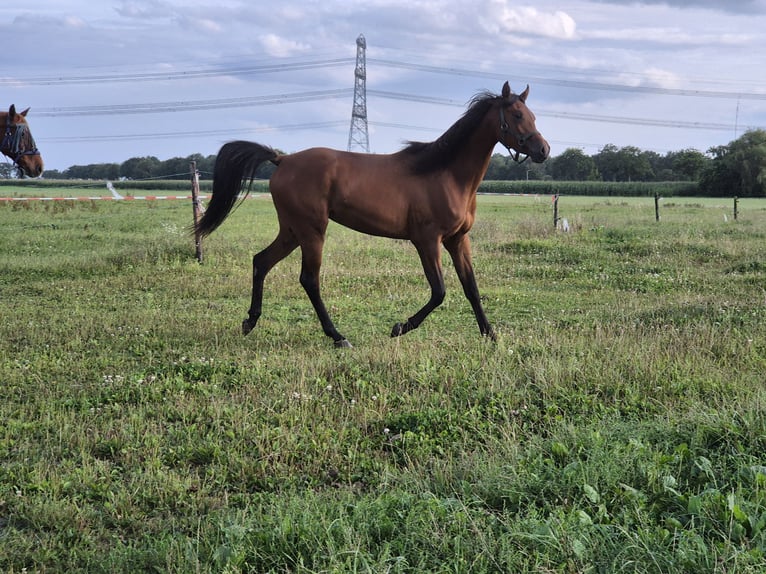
617	425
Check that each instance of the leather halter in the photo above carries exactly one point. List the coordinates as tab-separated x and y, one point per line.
505	130
12	141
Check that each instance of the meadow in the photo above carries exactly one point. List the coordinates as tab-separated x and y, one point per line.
618	423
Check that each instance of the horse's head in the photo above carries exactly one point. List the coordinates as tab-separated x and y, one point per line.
19	145
517	127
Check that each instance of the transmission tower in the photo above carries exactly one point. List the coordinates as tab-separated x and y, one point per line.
358	138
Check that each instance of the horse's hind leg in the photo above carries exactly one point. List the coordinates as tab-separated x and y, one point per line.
263	262
310	263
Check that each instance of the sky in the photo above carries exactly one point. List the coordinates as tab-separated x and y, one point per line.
110	80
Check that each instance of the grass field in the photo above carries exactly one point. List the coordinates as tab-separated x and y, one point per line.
617	425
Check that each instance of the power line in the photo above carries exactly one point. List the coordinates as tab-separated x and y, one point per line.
566	115
193	105
196	133
289	98
334	62
326	94
576	83
180	75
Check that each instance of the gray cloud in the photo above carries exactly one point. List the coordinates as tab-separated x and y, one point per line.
732	6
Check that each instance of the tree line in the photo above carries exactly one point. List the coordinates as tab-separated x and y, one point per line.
735	169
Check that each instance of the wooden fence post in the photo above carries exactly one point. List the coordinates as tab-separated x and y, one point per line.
555	211
656	206
197	210
736	207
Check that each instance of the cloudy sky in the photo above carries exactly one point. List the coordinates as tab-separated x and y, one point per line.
111	80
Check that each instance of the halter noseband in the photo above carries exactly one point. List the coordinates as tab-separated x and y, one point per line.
12	140
505	129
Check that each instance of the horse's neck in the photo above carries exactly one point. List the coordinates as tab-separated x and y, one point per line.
471	165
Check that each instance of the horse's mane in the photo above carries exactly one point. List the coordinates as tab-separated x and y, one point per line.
426	157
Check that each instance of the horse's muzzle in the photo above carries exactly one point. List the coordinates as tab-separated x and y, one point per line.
538	149
31	165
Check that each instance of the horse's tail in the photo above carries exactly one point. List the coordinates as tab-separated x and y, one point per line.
234	171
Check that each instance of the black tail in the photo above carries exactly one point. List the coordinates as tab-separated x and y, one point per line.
234	170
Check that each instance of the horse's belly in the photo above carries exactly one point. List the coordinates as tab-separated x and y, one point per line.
369	221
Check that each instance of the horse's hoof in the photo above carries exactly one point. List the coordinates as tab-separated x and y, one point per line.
247	326
343	344
399	329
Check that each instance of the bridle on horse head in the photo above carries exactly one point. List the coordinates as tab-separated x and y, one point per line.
13	140
505	130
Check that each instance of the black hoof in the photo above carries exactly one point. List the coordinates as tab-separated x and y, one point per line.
247	326
400	329
343	344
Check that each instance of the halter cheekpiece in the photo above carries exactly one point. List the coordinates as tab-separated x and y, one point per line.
505	130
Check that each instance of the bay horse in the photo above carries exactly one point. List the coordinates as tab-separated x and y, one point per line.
425	193
18	143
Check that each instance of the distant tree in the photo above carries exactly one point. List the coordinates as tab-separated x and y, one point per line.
7	170
92	171
623	164
53	174
718	179
265	170
748	156
606	162
140	168
179	167
659	170
503	167
498	168
205	166
106	171
737	169
573	165
688	164
174	168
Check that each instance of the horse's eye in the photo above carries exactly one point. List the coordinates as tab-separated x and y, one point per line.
517	115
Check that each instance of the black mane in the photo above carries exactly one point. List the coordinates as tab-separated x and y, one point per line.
426	157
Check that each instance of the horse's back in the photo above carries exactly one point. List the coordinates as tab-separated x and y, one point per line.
366	192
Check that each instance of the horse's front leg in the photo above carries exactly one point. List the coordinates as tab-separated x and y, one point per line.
263	262
459	248
430	257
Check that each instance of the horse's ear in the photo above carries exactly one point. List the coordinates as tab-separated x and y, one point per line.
506	90
523	95
24	113
12	111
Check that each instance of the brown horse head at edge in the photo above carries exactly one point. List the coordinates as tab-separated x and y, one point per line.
18	143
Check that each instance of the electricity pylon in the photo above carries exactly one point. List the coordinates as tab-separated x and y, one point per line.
358	138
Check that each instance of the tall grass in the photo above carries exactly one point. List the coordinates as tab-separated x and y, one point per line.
616	425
